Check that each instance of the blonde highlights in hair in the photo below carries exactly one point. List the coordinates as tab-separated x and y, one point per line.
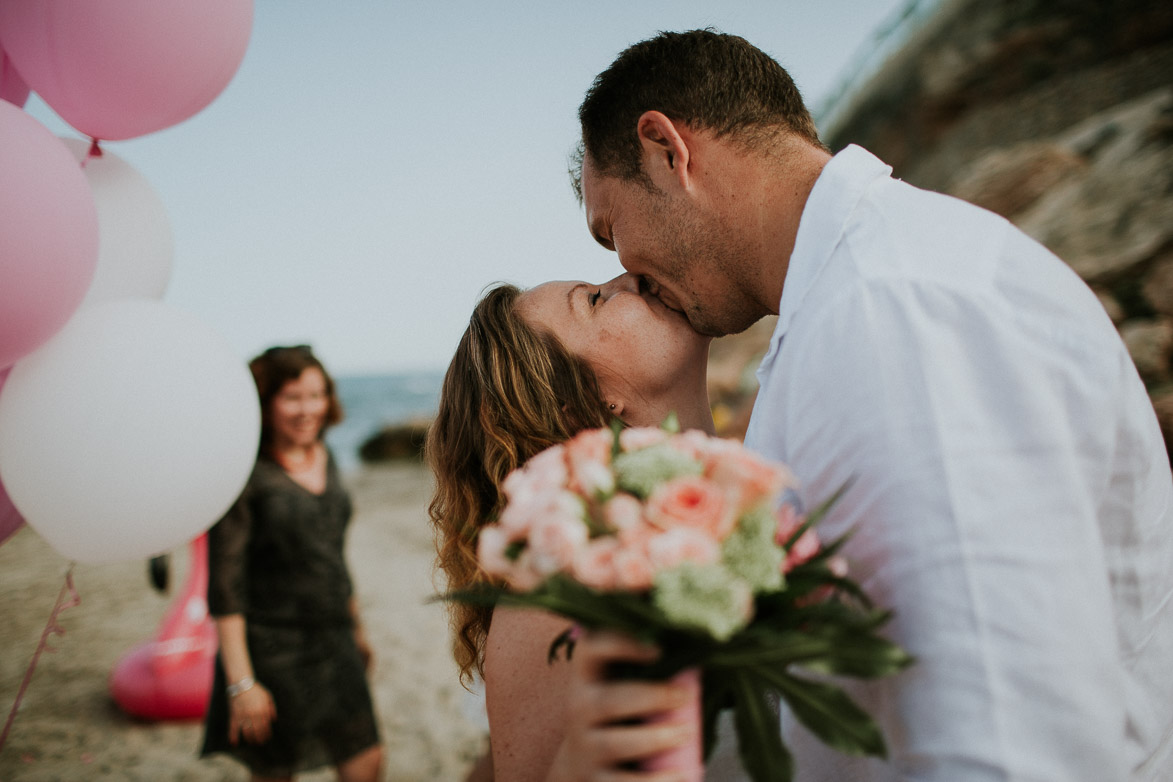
510	392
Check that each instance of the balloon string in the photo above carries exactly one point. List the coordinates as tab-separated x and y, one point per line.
67	598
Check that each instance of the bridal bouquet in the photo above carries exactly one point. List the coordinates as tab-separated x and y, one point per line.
678	539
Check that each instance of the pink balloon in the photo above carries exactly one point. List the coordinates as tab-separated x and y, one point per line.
123	68
48	233
12	87
10	518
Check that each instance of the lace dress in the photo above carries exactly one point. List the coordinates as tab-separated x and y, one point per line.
277	558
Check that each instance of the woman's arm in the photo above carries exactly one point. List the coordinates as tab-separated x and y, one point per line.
482	770
566	721
525	695
251	710
360	635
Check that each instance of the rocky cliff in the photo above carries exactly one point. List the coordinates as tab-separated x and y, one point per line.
1058	115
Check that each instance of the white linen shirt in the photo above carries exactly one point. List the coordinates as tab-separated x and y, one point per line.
1011	496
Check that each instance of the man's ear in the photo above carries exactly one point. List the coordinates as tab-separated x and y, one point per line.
666	152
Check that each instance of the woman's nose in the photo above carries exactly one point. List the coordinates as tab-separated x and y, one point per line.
625	282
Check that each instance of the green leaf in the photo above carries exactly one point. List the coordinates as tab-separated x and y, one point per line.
716	697
828	713
774	650
759	736
591	613
863	656
629	613
616	429
821	510
837	646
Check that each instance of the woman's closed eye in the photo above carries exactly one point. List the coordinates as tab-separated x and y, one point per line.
594	297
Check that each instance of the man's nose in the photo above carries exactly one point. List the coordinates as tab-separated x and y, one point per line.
624	282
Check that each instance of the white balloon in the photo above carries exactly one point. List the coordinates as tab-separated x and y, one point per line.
128	433
136	247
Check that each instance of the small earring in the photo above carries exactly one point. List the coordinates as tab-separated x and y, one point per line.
611	406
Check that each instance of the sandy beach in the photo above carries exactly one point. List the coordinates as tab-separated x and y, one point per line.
69	728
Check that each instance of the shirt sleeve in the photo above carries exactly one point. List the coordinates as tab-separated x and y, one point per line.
228	542
976	440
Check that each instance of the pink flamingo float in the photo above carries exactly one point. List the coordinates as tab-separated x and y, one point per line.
170	676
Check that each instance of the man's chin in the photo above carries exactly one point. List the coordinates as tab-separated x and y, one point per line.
712	328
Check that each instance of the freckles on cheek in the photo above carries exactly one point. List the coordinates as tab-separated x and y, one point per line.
608	351
606	343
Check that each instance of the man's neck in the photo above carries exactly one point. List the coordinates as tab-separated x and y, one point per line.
786	183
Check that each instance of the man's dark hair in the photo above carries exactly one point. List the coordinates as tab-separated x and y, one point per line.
703	78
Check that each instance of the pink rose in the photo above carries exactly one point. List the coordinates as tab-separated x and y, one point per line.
633	568
637	438
691	501
588	458
554	541
594	564
623	512
591	479
523	576
638	535
590	444
696	443
745	476
528	490
491	544
517	483
682	544
519	513
548	468
532	502
545	470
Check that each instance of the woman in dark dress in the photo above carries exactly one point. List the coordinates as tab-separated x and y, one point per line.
291	691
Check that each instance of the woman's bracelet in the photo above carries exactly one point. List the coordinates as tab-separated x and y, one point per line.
242	686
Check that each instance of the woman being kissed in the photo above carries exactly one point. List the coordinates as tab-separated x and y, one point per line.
534	368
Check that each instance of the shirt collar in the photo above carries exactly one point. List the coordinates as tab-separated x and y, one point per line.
840	186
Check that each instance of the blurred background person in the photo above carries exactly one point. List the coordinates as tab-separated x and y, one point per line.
291	691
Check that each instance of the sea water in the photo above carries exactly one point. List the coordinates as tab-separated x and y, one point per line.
371	402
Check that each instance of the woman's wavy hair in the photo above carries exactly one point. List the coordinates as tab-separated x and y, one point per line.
277	366
510	392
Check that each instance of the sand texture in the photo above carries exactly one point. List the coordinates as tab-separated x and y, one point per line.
69	728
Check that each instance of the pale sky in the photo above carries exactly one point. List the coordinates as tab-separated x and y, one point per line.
374	165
